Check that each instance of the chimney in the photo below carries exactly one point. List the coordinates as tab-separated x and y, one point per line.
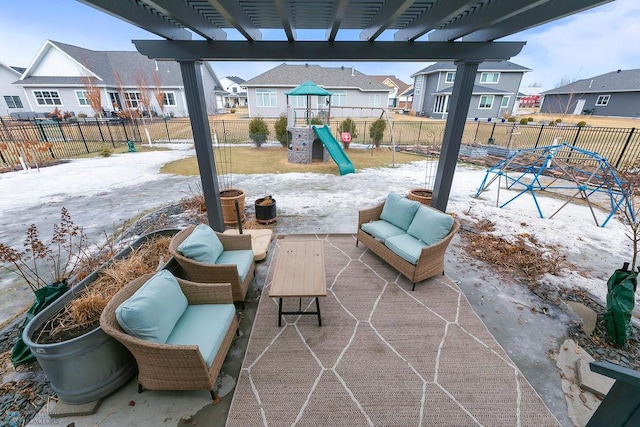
342	68
619	71
306	65
352	72
590	83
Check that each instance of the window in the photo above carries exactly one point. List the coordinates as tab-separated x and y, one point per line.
266	98
13	101
450	77
339	98
374	100
489	77
132	99
298	101
47	97
82	98
234	89
417	86
603	100
505	101
114	98
169	99
486	102
442	104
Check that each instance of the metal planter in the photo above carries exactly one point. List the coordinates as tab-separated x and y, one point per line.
93	365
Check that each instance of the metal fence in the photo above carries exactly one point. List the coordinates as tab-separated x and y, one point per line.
53	139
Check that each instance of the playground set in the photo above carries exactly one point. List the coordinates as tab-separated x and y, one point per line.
571	172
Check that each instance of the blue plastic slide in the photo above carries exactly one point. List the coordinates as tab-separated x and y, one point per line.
335	150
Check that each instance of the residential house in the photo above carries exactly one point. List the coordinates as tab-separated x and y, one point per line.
494	93
612	94
12	100
397	87
354	94
61	76
235	95
405	99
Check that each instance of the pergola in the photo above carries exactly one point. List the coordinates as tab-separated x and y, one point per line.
463	31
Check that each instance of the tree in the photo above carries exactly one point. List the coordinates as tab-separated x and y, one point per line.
280	127
376	131
157	91
258	131
92	94
144	99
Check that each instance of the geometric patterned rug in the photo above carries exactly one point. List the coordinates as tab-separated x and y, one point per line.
385	355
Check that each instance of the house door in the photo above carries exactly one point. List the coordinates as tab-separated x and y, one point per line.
579	106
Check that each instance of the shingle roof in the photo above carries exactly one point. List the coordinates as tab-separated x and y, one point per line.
484	66
615	81
103	63
286	75
236	79
402	86
19	69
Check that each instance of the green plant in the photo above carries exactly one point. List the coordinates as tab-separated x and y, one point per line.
552	123
280	126
529	119
511	119
258	131
105	152
316	121
524	121
348	125
233	110
558	120
581	124
376	131
44	263
82	116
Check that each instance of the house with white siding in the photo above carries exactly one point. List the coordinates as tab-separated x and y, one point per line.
11	97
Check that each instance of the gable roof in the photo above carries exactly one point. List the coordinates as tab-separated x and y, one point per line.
104	64
15	70
503	66
402	86
286	75
235	79
615	81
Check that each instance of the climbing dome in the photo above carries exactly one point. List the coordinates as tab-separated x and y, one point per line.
570	172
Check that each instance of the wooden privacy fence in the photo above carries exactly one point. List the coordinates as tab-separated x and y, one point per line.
54	140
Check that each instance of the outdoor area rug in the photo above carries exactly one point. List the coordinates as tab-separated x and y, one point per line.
384	355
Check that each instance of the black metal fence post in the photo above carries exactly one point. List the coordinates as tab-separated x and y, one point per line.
419	132
624	149
539	135
100	130
82	136
167	128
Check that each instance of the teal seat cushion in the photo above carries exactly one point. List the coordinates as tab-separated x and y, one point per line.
399	211
202	245
204	325
430	225
405	246
241	258
382	230
153	310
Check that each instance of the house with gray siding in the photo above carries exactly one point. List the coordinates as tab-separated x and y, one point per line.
11	97
59	76
612	94
354	94
494	92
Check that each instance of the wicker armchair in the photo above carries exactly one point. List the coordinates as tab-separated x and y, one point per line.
430	262
206	273
166	366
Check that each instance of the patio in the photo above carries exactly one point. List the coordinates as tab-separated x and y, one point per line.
412	352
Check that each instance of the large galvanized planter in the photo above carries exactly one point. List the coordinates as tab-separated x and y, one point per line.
93	365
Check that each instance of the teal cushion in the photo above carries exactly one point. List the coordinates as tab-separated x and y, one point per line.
405	246
242	259
430	225
382	229
202	245
153	310
204	325
399	211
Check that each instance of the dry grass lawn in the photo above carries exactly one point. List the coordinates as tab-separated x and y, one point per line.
252	160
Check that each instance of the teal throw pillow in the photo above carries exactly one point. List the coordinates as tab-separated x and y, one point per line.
202	245
399	211
154	309
430	225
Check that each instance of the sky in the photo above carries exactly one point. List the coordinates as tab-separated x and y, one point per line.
100	193
581	46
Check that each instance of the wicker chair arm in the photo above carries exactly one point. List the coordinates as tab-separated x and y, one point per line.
235	242
371	214
206	293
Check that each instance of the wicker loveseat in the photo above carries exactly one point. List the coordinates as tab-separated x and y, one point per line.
235	265
409	242
190	353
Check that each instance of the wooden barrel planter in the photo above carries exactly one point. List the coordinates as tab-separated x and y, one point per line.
227	200
266	210
421	195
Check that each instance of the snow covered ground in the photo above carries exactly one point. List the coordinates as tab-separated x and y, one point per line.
102	193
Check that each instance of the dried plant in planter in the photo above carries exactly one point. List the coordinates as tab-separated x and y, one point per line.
45	263
82	314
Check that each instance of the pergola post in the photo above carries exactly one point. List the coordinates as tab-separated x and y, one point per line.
194	93
453	130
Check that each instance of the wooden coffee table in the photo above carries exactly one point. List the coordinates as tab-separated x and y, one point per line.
299	273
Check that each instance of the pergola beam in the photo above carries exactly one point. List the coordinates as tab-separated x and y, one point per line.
438	14
188	17
233	14
172	50
386	16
